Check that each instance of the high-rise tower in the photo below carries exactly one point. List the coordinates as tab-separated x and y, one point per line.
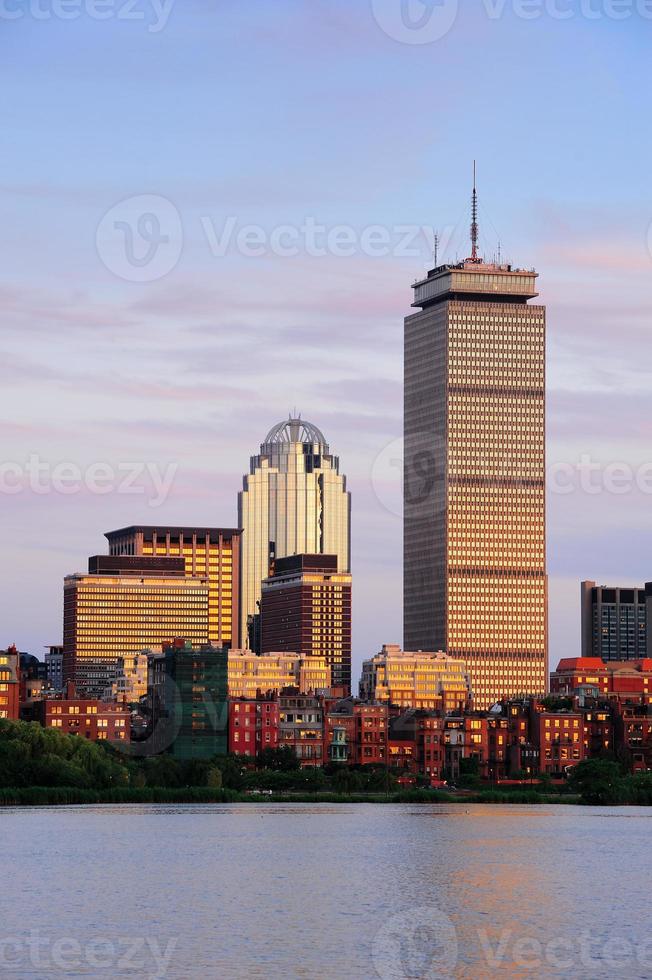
294	501
475	580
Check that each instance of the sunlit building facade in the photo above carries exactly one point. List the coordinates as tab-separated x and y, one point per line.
416	680
209	553
306	607
108	617
294	501
130	681
251	675
474	523
9	683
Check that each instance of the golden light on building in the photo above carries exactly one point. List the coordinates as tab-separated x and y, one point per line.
306	608
130	681
294	501
108	617
415	680
475	579
210	553
249	674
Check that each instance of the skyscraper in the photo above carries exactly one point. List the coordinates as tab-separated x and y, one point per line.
208	552
306	607
156	583
294	501
614	622
189	700
475	580
109	616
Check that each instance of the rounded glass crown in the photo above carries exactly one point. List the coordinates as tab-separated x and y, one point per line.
295	430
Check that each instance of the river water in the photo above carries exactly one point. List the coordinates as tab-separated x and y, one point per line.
312	891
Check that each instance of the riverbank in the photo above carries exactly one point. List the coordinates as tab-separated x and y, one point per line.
74	796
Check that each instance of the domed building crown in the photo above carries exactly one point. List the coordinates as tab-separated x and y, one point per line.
295	430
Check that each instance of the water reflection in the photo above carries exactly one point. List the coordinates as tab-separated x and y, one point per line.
268	890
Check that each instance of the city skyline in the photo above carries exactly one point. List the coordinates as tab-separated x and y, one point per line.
326	468
108	367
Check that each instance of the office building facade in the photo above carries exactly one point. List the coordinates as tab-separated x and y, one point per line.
306	607
252	675
208	553
189	702
416	680
475	580
107	618
294	501
614	622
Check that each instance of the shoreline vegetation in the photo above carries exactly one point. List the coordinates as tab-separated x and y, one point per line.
74	796
42	767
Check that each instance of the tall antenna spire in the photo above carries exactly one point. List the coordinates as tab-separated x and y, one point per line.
474	220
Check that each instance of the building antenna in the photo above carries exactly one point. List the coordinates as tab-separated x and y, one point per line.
436	248
474	220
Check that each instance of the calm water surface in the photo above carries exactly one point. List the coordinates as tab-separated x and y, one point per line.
314	891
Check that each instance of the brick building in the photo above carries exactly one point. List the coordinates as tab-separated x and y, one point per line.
253	726
559	737
89	718
362	728
594	677
633	735
301	726
306	607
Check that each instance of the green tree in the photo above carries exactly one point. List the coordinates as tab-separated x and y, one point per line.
163	771
214	778
233	770
346	780
283	759
599	782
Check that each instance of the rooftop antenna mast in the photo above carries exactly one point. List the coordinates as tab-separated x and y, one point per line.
436	250
474	219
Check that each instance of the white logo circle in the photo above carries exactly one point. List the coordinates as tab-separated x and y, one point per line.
415	21
141	238
419	943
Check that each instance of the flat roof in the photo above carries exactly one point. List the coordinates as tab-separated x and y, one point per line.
163	529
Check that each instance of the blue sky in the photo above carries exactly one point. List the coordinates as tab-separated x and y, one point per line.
268	115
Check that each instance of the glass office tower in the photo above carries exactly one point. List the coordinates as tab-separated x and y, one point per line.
475	580
294	501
